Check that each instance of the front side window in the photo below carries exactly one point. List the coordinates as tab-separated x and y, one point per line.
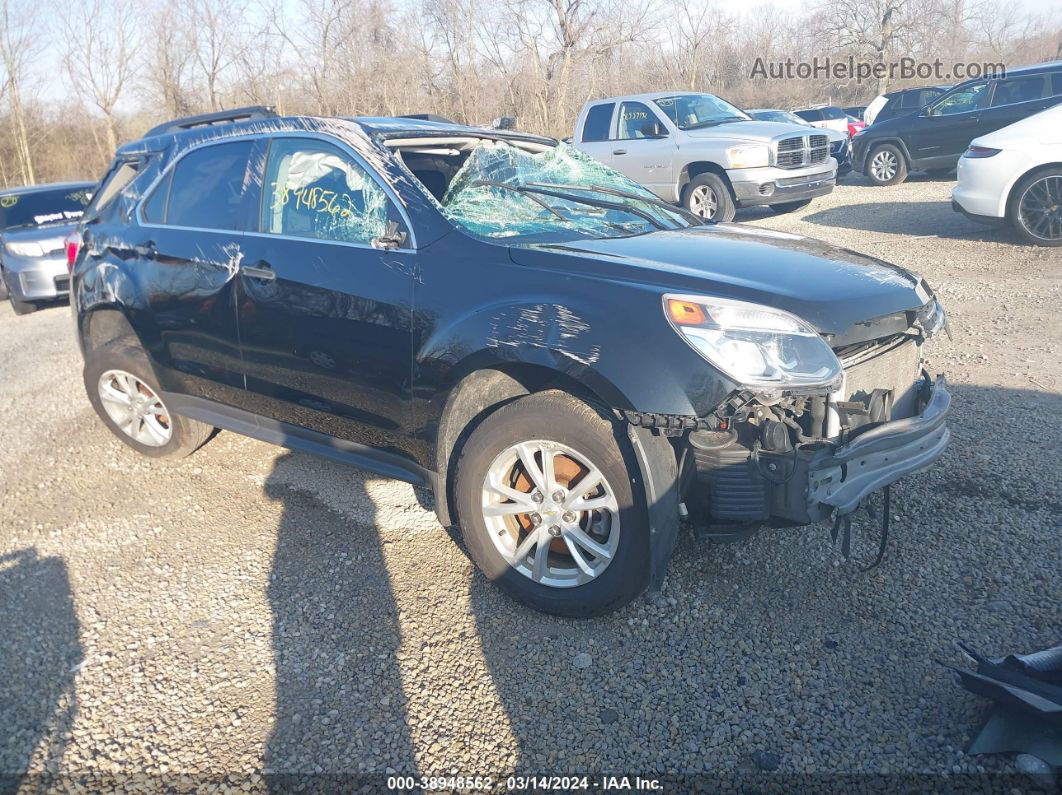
833	113
693	111
810	115
313	189
636	120
598	121
206	188
962	101
1018	89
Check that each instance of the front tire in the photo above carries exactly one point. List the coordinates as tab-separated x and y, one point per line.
122	388
708	197
788	207
886	165
1035	208
547	507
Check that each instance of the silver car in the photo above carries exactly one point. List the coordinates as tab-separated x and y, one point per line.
34	224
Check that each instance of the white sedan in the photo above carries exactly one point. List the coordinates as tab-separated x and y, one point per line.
1015	175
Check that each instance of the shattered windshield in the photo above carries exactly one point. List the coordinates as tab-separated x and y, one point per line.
503	191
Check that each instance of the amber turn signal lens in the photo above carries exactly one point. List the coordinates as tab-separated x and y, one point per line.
685	313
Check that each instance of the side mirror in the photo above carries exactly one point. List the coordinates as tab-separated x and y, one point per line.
393	237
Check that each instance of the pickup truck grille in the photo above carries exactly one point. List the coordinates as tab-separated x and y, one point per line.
802	150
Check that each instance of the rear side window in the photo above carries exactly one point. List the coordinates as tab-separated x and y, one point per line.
1017	90
116	180
833	113
912	99
598	119
810	115
206	188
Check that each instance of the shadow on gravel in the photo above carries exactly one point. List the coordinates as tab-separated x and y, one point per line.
934	219
40	648
773	657
340	707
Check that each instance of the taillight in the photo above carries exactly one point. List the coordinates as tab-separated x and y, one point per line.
72	243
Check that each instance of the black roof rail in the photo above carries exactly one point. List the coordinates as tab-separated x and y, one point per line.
428	117
248	113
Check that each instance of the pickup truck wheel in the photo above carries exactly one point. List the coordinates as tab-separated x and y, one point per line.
788	207
546	507
1035	208
886	165
122	389
708	196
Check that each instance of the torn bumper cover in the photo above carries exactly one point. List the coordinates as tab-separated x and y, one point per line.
840	478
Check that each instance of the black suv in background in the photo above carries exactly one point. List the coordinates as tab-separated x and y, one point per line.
934	138
906	101
561	356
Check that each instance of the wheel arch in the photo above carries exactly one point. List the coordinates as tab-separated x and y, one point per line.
1007	200
697	167
897	142
475	397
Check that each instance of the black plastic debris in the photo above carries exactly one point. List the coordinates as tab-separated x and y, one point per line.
1027	691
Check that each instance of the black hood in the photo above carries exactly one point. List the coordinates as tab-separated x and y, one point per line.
832	288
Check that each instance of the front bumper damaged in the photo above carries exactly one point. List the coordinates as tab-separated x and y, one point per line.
839	479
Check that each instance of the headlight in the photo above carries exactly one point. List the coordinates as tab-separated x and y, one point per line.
931	317
25	249
980	151
754	156
754	345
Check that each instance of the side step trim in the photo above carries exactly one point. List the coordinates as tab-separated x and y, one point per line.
295	437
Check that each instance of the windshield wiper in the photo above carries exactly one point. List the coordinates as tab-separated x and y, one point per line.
602	203
522	191
651	200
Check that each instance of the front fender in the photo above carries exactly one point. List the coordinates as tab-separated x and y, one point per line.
630	358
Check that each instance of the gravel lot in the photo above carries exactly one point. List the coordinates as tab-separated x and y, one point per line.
251	610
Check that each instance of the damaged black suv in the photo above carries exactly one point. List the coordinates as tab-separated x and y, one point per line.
567	361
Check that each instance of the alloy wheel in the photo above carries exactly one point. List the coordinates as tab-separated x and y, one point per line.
135	408
884	165
1040	208
551	513
704	202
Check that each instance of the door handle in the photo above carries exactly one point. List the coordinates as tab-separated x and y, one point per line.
146	250
260	270
619	151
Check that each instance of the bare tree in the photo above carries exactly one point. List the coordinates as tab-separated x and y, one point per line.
19	47
102	40
169	59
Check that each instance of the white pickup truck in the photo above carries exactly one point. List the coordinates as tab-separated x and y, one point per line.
702	152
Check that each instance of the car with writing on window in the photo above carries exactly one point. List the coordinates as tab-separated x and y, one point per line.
34	224
699	151
566	360
934	138
840	144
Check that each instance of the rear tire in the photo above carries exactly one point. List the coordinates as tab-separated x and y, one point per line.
708	197
788	207
1028	207
505	542
120	370
886	165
